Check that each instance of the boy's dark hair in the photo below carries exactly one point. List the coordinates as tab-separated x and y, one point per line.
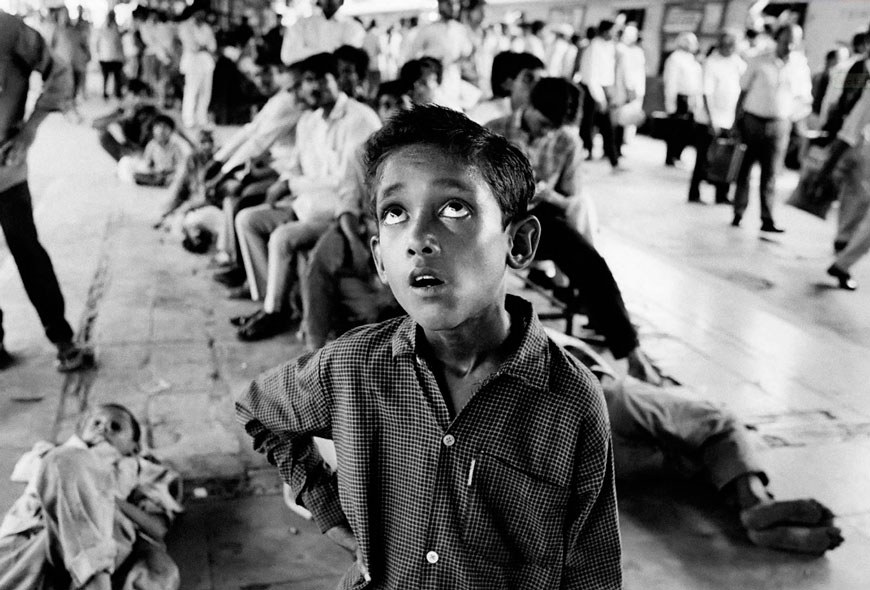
319	64
501	164
134	423
395	88
508	65
162	119
417	69
557	99
358	57
605	26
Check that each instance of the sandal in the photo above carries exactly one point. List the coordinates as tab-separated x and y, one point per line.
265	325
240	320
72	358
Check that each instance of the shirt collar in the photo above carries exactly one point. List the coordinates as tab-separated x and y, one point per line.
339	110
529	362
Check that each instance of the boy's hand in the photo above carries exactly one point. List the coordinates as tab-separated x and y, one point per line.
343	537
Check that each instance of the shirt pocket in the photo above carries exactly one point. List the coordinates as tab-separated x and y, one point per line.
513	516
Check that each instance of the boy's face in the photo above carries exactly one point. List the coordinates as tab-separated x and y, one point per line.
441	244
389	105
112	426
521	86
162	133
423	91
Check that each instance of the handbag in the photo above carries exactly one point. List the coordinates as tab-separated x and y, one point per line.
810	195
724	158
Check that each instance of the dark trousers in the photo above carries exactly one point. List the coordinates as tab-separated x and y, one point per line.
113	69
704	136
588	272
766	140
34	265
114	148
680	126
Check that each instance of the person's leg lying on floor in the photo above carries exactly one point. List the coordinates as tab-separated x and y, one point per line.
654	427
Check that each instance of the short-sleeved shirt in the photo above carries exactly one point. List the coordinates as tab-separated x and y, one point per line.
516	491
23	51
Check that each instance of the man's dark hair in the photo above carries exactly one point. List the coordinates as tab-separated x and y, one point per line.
557	99
138	87
319	64
501	164
134	423
358	57
508	65
417	69
604	26
859	41
791	27
162	119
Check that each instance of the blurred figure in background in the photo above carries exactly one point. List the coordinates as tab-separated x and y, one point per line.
197	64
776	91
630	79
682	84
323	31
110	53
598	74
723	69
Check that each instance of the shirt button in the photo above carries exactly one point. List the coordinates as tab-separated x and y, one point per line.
448	440
432	557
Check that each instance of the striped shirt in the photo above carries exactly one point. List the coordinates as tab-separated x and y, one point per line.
517	491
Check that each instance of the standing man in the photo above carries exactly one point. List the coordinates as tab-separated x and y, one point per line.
197	64
682	85
723	70
598	73
321	33
22	51
776	90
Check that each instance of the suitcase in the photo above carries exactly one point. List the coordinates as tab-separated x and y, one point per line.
724	158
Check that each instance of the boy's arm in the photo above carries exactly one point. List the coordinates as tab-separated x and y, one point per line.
154	525
281	411
593	554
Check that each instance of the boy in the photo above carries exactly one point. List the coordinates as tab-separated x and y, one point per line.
91	505
473	452
164	156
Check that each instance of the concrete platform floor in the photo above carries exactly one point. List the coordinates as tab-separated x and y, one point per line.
741	320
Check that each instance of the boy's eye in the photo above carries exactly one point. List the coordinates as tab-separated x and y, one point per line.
393	215
114	427
455	210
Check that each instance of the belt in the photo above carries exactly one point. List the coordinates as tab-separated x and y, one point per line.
765	119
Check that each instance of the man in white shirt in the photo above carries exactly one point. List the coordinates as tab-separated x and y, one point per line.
598	74
682	78
776	92
721	90
322	32
270	235
630	82
197	64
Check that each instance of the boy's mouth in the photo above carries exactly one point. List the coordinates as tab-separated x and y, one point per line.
424	278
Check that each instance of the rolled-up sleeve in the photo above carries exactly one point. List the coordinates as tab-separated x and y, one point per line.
57	89
281	411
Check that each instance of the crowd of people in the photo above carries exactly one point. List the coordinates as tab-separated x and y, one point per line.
355	172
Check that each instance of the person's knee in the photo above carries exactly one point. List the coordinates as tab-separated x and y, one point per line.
245	221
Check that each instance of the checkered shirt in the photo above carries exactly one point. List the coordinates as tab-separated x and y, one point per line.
517	491
556	156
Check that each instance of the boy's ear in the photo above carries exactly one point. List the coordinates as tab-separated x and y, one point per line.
525	235
375	245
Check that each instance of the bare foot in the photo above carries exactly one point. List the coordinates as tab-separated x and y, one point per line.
773	513
800	539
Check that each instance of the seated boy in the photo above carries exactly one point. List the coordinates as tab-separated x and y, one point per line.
474	452
165	156
93	508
